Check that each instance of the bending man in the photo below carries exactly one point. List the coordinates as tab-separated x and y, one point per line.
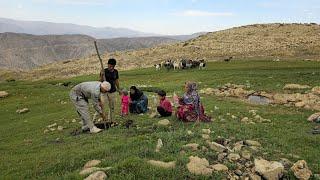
80	95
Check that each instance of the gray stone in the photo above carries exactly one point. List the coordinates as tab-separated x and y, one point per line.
233	157
92	163
252	143
161	164
216	147
219	167
192	146
164	122
22	111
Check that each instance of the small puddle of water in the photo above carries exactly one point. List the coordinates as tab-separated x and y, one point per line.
261	100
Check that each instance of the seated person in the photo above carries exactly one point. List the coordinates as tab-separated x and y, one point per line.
139	101
190	108
165	107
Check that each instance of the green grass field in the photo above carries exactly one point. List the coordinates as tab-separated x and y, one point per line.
29	153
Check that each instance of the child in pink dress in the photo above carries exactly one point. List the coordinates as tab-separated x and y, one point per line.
124	103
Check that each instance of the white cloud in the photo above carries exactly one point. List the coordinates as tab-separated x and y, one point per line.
197	13
75	2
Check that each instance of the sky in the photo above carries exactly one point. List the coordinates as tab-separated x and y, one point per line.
171	17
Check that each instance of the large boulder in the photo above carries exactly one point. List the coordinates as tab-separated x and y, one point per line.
270	170
301	170
199	166
3	94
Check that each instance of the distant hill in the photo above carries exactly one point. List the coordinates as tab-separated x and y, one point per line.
25	51
259	41
49	28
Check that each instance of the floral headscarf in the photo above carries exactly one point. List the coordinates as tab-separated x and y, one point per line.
192	96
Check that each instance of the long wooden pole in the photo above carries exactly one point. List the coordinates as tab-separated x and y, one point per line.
101	63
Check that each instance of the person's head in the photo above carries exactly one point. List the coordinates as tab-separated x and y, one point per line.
111	63
105	87
190	87
162	94
124	92
133	89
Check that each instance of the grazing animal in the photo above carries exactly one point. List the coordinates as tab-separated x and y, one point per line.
158	67
176	65
228	59
202	64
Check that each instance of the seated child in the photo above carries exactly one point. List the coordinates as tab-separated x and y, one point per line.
124	103
165	107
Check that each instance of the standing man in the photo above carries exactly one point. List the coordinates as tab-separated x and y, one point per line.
111	75
80	95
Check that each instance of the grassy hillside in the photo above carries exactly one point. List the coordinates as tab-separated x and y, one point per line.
27	152
255	42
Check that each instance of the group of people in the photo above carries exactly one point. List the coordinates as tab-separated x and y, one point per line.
103	93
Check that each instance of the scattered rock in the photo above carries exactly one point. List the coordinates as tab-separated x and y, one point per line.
245	120
205	149
252	143
246	155
295	86
22	111
206	131
52	129
270	170
3	94
286	163
199	166
254	177
60	128
164	122
301	170
165	165
99	175
74	120
216	147
237	146
91	163
238	172
192	146
159	145
205	136
189	132
92	169
233	157
219	167
52	125
316	90
314	117
45	131
221	156
153	115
